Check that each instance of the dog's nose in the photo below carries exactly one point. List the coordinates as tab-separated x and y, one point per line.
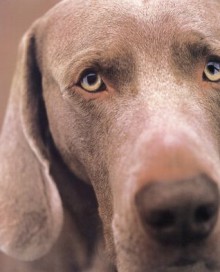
179	212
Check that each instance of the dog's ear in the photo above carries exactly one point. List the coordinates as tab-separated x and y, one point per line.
31	212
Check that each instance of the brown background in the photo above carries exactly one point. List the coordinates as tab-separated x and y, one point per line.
15	17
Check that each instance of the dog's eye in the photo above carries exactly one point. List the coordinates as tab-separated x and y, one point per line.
212	71
91	81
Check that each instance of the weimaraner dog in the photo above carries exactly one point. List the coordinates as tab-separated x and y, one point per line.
110	149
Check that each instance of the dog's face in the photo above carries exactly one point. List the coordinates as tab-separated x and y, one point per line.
131	91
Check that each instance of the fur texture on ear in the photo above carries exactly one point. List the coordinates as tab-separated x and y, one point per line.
31	213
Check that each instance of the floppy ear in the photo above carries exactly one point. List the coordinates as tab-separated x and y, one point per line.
31	212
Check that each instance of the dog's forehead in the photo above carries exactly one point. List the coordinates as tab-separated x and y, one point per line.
144	10
138	7
75	25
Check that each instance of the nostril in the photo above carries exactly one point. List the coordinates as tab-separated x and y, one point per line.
161	219
179	212
205	213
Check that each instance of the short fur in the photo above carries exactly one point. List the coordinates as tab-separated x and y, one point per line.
72	162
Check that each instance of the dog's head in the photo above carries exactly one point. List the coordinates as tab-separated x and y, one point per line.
129	93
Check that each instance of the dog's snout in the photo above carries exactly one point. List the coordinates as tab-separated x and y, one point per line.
179	212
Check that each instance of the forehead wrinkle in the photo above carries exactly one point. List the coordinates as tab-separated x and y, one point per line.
104	28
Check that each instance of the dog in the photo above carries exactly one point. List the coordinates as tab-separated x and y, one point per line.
110	146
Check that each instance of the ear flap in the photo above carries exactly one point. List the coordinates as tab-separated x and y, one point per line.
31	212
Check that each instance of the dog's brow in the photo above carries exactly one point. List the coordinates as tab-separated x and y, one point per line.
190	49
117	67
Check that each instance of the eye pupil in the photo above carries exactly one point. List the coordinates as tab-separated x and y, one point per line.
91	78
213	68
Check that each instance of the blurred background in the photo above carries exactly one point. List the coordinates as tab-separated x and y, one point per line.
15	18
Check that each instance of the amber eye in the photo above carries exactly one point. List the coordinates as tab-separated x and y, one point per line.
212	71
91	81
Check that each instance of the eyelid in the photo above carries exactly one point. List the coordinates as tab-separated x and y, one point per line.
213	58
87	70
